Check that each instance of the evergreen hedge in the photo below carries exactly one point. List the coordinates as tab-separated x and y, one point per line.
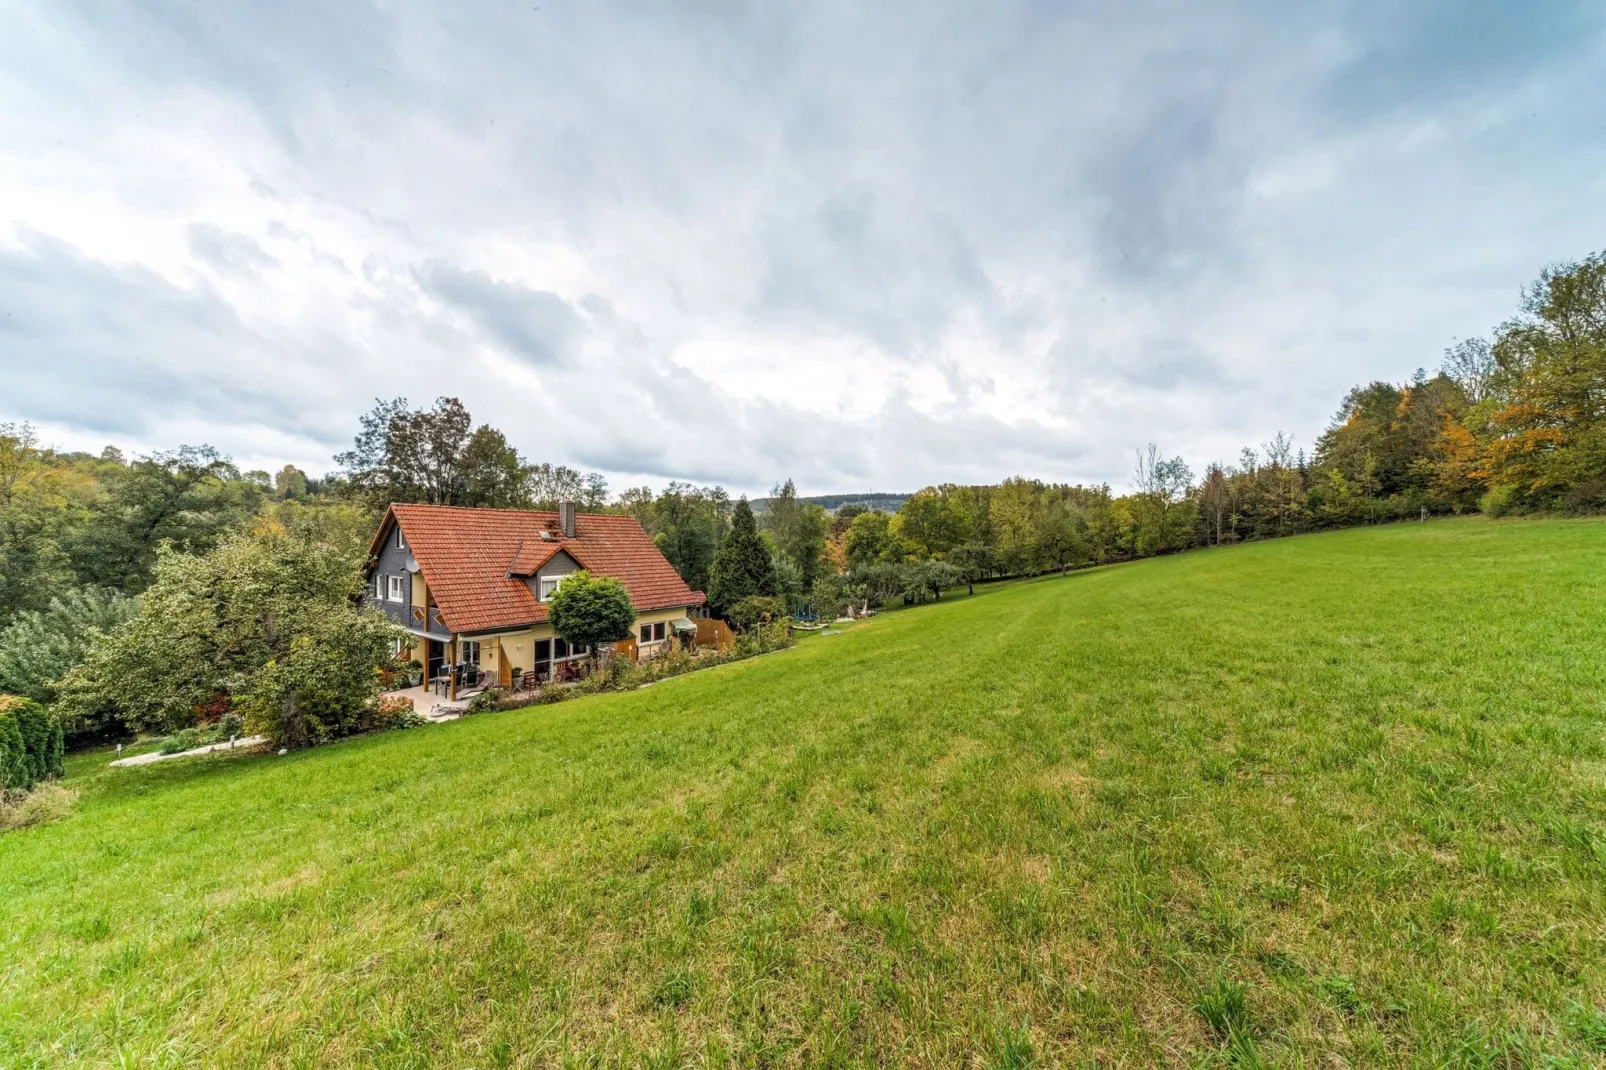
30	743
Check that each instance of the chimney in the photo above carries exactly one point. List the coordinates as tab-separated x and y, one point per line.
566	518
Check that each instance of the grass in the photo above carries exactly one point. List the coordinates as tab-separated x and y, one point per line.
1334	800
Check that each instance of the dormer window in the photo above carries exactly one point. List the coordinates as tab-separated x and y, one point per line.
549	587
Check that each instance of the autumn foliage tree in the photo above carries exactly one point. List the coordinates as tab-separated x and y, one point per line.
267	624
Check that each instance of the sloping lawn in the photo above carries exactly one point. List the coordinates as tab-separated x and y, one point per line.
1335	796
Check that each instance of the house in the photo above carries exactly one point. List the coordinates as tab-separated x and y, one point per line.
471	586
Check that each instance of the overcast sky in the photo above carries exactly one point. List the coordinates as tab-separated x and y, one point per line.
861	245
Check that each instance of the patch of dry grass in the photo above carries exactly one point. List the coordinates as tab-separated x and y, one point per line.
49	801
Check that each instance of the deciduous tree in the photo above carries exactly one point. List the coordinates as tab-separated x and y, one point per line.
589	610
267	623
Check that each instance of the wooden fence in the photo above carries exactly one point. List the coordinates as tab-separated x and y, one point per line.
711	631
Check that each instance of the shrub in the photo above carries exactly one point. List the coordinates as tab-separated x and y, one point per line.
755	610
1587	497
391	712
615	674
1498	500
13	761
489	699
403	718
760	640
182	740
225	728
30	743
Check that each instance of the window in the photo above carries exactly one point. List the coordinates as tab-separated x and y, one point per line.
379	587
468	652
562	650
398	588
395	648
550	585
400	545
658	632
646	633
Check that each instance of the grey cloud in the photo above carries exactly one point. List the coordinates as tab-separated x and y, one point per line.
1420	56
227	251
537	326
672	423
1166	190
120	350
895	274
284	55
950	185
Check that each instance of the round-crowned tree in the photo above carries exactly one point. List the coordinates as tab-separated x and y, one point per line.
587	610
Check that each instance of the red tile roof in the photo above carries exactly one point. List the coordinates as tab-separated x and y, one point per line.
472	558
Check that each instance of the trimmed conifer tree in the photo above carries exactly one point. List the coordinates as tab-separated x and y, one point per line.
742	567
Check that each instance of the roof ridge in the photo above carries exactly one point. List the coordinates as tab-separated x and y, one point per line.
515	512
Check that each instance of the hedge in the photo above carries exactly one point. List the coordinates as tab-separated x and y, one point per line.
30	743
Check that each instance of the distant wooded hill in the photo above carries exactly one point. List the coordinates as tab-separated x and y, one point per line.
886	502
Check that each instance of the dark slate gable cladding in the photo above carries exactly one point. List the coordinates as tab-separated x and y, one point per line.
392	561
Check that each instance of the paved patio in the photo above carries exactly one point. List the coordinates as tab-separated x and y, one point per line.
431	706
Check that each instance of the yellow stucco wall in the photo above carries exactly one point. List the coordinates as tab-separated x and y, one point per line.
518	648
665	615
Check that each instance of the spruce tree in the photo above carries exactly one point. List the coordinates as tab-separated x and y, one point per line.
742	566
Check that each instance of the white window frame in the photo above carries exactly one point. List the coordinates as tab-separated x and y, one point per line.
379	586
400	545
556	581
397	588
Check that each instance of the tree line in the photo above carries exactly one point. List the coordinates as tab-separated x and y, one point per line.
1515	422
1509	424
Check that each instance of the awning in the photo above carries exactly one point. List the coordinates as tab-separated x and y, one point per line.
683	624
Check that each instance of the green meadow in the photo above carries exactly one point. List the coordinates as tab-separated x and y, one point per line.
1334	800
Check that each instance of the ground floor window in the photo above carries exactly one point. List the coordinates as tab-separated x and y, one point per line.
562	648
468	652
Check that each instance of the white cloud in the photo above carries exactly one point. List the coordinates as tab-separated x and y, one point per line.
743	242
